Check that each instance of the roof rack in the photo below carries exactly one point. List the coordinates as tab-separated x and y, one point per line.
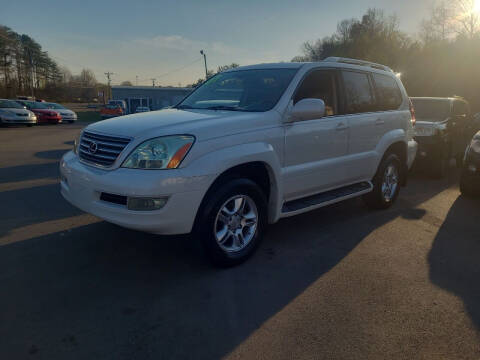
358	62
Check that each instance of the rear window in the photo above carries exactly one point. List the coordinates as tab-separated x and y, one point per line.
388	93
359	92
431	109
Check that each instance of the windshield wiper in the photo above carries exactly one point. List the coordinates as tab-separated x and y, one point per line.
224	107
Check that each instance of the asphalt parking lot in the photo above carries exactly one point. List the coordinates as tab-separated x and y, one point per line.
341	282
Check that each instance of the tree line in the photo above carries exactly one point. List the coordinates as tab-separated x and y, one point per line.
441	60
26	69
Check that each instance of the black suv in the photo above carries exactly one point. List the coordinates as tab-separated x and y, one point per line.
443	131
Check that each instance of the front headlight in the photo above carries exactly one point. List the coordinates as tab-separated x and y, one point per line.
165	152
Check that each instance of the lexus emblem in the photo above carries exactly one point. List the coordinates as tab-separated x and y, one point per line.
93	147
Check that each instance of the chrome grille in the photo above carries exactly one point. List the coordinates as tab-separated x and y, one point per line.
101	149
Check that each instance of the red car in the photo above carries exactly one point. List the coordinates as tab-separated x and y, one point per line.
43	112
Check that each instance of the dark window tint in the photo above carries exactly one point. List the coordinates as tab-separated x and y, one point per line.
389	96
358	92
320	85
460	108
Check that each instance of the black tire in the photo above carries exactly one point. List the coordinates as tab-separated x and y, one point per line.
29	125
376	199
70	122
211	206
468	187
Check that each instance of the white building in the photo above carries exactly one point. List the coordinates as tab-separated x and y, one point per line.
155	98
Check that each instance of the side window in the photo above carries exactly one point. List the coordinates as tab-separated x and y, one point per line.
460	108
358	92
320	84
388	93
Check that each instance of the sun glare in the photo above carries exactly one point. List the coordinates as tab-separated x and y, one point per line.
476	6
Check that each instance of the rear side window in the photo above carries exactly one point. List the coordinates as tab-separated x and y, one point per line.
358	91
388	93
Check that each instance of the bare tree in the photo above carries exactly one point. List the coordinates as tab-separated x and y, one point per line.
126	83
467	18
440	24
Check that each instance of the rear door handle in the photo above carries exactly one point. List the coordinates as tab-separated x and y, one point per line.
341	127
379	122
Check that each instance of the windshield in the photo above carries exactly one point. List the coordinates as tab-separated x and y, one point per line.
243	90
431	109
35	105
55	106
111	106
9	104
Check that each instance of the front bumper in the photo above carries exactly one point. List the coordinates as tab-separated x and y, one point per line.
66	118
82	186
49	119
18	120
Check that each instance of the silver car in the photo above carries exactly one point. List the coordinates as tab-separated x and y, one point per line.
67	115
12	112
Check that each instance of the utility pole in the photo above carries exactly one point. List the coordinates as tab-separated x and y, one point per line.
153	82
205	61
108	74
136	80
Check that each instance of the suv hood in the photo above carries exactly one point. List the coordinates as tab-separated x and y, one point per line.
201	123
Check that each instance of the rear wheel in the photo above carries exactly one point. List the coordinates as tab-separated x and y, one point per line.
386	183
231	222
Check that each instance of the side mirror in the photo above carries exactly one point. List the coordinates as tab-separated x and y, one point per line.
308	109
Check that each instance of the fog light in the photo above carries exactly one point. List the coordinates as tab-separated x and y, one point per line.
423	153
145	204
472	168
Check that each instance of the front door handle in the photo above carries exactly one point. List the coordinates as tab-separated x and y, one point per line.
341	127
379	122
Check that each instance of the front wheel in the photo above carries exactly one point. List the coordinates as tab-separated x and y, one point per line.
386	183
231	222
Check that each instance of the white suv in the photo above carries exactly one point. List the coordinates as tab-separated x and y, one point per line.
250	146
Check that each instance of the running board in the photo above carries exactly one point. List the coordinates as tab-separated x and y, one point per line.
326	198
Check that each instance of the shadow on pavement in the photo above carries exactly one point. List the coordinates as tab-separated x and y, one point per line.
51	154
120	294
29	172
100	291
455	255
33	205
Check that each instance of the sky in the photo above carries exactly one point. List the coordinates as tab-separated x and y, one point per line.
162	39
